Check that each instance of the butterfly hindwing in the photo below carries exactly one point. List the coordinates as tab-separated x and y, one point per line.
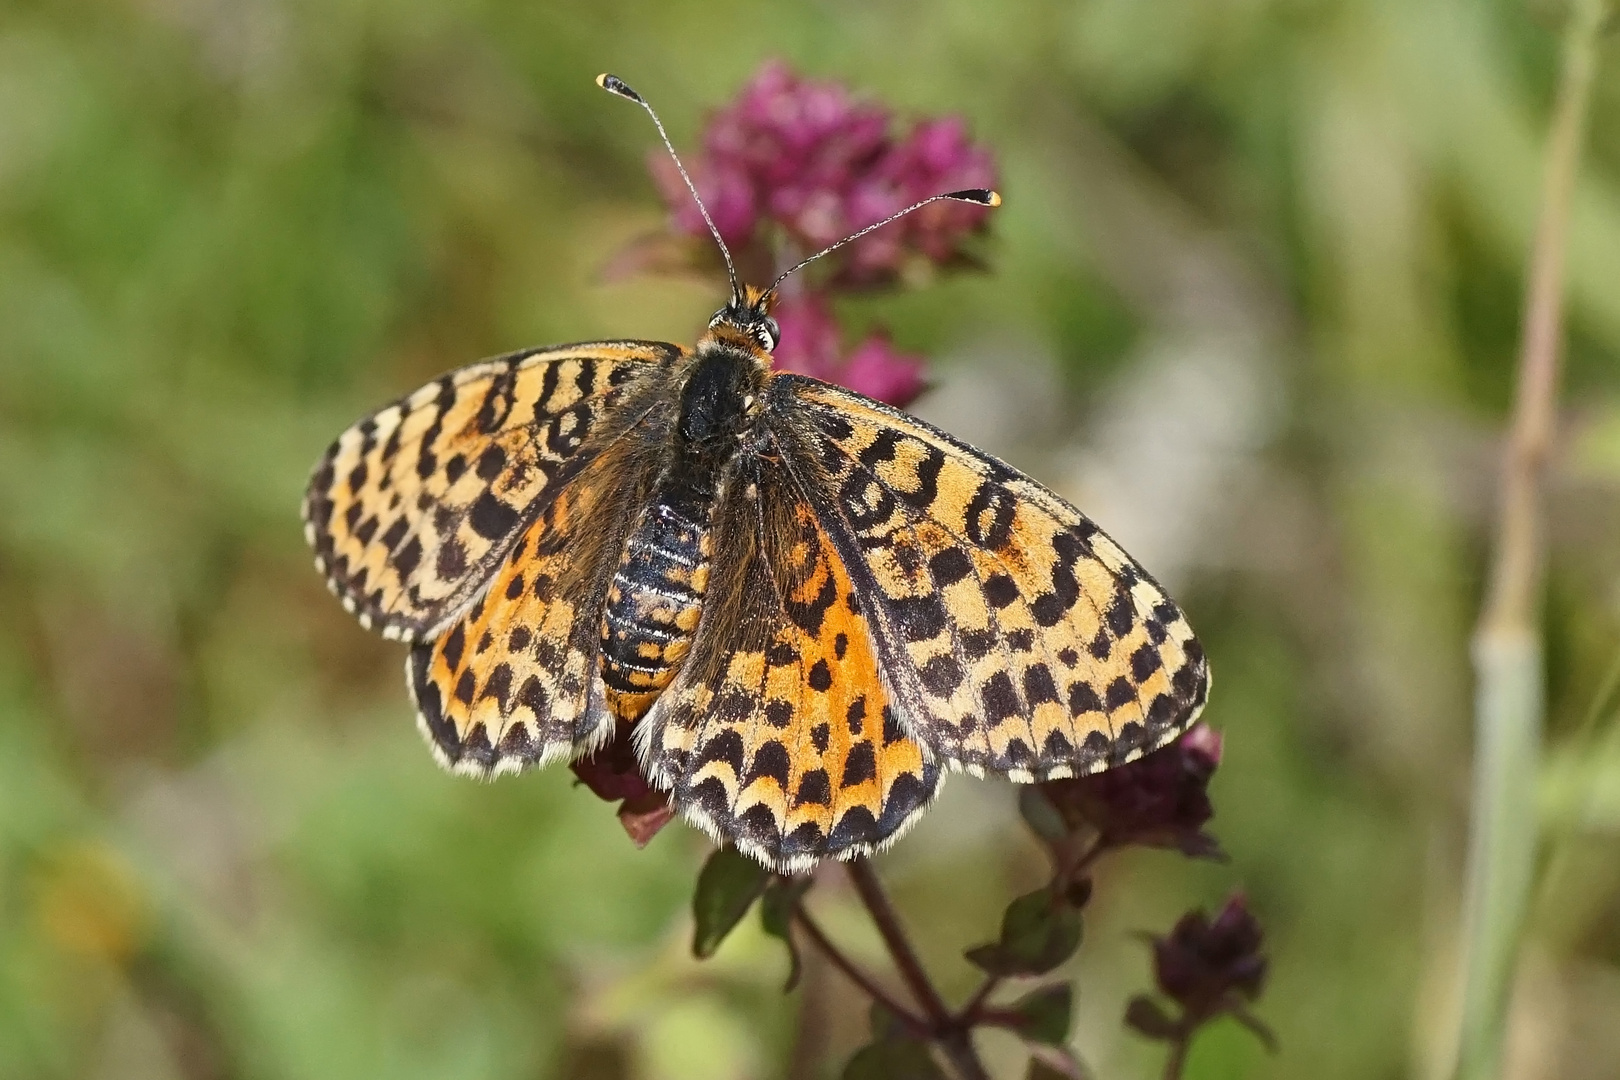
412	509
1018	638
779	733
515	681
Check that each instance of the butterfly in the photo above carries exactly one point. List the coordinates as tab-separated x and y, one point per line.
805	607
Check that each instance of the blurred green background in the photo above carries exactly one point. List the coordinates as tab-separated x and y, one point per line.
1253	304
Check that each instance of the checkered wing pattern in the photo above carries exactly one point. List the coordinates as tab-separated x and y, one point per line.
1016	636
412	510
515	681
779	733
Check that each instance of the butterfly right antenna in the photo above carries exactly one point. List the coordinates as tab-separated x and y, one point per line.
978	196
615	85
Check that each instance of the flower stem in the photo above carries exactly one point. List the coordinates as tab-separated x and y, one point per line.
1178	1058
910	1020
974	1010
957	1045
1509	692
953	1036
906	962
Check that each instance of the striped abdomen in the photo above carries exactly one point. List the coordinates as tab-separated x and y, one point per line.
654	602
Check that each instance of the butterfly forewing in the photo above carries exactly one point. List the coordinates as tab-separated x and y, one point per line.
1019	639
413	508
779	734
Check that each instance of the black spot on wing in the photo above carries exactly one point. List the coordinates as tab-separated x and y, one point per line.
499	685
771	760
941	675
990	515
454	643
808	616
407	558
1000	699
919	618
478	747
395	533
907	795
778	713
1083	699
758	824
491	518
814	788
727	747
949	566
860	765
807	839
491	462
857	826
1039	686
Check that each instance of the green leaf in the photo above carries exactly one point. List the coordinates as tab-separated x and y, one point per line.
727	887
1044	1014
1145	1015
1040	815
776	907
893	1059
1038	932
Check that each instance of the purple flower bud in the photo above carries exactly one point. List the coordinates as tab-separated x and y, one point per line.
614	775
1204	962
1161	800
810	345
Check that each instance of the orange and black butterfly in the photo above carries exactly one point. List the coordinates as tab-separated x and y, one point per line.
809	605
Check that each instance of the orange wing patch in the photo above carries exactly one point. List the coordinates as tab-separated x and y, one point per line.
515	681
1019	638
412	509
779	733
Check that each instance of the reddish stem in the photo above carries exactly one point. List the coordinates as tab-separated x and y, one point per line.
888	925
910	1020
1177	1059
974	1011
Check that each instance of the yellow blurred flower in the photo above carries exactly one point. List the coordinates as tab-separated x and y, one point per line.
87	901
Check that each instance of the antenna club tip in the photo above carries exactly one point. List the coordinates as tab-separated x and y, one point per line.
982	196
615	85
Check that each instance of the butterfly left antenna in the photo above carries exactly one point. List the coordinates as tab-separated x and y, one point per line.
615	85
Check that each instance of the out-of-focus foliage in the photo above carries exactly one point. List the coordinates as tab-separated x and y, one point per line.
1253	304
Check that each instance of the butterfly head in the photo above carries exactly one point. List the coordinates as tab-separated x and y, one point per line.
746	321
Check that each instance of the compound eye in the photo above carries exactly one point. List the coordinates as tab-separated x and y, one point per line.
765	333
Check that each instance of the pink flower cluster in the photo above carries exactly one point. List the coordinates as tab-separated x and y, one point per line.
820	164
812	344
